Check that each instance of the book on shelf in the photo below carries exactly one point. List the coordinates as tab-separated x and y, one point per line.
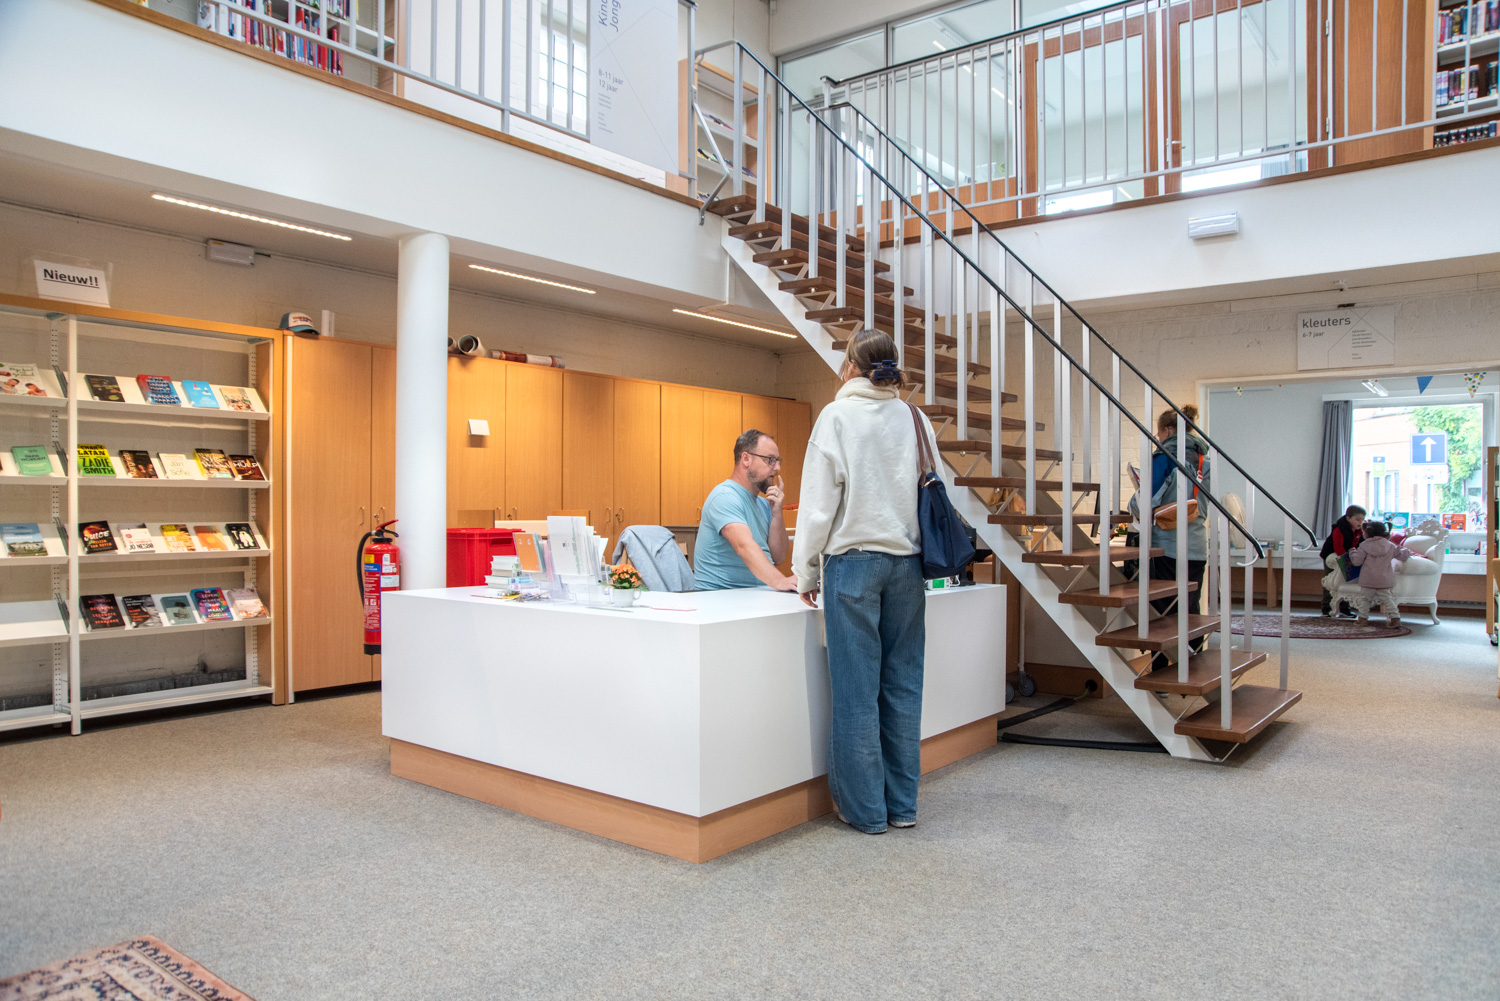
32	460
21	379
101	611
176	466
177	539
137	463
96	537
200	394
246	467
210	603
214	463
176	609
93	460
23	539
209	539
158	390
135	538
245	603
240	398
141	611
104	388
241	535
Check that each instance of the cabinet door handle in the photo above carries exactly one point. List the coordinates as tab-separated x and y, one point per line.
607	513
361	514
619	514
381	516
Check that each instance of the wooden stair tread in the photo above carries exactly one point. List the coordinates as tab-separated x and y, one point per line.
770	230
915	356
1252	710
1011	518
914	339
1161	634
780	258
911	319
825	285
744	205
977	419
1203	673
949	388
1086	557
1016	482
1017	452
1122	595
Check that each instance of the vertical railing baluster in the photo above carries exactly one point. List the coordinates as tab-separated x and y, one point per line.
929	297
737	158
1106	503
1226	662
1030	399
1250	565
997	363
1286	598
898	251
1144	505
1211	571
870	214
1183	552
763	159
840	220
1065	433
1085	341
814	186
960	330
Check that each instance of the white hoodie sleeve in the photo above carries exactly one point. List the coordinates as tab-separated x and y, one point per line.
822	494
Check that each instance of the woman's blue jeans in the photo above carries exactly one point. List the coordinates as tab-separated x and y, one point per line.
874	611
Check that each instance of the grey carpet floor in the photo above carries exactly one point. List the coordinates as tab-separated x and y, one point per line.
1353	853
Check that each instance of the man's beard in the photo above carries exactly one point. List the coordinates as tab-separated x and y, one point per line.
761	486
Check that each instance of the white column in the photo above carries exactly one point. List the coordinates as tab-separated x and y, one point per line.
422	409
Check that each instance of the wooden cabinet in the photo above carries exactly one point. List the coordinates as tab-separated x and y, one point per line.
682	490
722	423
476	463
794	426
637	454
330	433
758	412
588	448
533	441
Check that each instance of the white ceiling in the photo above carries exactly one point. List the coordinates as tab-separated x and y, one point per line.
93	196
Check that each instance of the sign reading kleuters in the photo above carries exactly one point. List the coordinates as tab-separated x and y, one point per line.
1347	338
71	283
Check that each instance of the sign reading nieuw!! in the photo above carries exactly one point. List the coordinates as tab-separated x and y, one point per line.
71	284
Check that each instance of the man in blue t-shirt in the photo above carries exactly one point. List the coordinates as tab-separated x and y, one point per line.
742	535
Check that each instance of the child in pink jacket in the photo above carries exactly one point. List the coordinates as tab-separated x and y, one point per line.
1377	555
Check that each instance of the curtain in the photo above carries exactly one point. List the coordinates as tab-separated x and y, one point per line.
1333	470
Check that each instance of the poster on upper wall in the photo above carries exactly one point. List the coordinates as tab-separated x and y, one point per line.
1346	338
632	87
71	283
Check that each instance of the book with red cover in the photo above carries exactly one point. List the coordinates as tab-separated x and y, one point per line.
158	389
246	467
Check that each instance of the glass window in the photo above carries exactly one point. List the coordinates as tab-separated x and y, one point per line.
1385	443
804	74
950	29
1035	12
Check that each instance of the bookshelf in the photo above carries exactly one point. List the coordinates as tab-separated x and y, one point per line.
716	98
54	669
1466	81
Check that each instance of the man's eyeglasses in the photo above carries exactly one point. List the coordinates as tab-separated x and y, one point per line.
770	460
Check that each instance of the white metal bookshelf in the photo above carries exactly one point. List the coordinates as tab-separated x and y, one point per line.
75	346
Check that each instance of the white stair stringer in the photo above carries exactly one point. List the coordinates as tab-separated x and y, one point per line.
1008	550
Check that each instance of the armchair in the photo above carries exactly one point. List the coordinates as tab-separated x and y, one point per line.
1416	580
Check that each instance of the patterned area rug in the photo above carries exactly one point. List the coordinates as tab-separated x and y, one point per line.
145	969
1315	627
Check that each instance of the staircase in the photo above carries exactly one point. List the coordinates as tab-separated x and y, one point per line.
982	337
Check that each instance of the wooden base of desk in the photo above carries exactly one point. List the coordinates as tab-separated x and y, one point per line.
693	839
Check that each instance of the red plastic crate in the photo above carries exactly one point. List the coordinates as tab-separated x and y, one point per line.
470	550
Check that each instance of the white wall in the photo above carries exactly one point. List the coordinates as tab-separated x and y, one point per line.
800	23
169	274
745	21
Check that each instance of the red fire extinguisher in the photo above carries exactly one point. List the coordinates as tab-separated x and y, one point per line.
379	572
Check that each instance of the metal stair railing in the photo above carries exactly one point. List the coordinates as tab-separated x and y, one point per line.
845	192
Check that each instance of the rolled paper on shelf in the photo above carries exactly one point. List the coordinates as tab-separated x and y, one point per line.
550	361
470	345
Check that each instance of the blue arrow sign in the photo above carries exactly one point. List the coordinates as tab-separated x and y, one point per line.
1429	448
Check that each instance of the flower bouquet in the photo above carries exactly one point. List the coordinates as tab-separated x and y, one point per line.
624	580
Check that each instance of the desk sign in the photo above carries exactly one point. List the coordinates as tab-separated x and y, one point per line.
71	284
1346	338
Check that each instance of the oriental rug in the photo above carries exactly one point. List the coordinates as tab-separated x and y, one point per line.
1315	627
145	969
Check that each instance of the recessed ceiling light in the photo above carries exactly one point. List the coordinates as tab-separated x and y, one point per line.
532	278
246	215
734	323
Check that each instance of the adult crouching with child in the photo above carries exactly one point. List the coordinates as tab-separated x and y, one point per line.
859	541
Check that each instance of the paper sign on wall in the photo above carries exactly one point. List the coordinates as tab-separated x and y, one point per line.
633	79
71	284
1347	338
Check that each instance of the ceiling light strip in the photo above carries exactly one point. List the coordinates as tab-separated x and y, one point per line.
252	218
734	323
532	278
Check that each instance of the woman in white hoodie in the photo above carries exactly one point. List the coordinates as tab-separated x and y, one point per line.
859	541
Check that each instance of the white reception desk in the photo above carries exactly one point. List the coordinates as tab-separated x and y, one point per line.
689	729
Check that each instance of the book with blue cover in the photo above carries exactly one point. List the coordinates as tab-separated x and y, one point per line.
200	394
23	539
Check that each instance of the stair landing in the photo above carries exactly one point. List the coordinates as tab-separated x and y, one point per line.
1252	710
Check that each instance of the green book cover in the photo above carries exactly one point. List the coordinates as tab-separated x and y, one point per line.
93	460
32	460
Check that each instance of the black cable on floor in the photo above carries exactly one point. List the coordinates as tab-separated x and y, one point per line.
1051	707
1097	745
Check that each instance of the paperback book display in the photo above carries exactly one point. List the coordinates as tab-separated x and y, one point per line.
136	463
23	539
137	539
32	460
26	379
567	563
146	389
188	608
95	537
